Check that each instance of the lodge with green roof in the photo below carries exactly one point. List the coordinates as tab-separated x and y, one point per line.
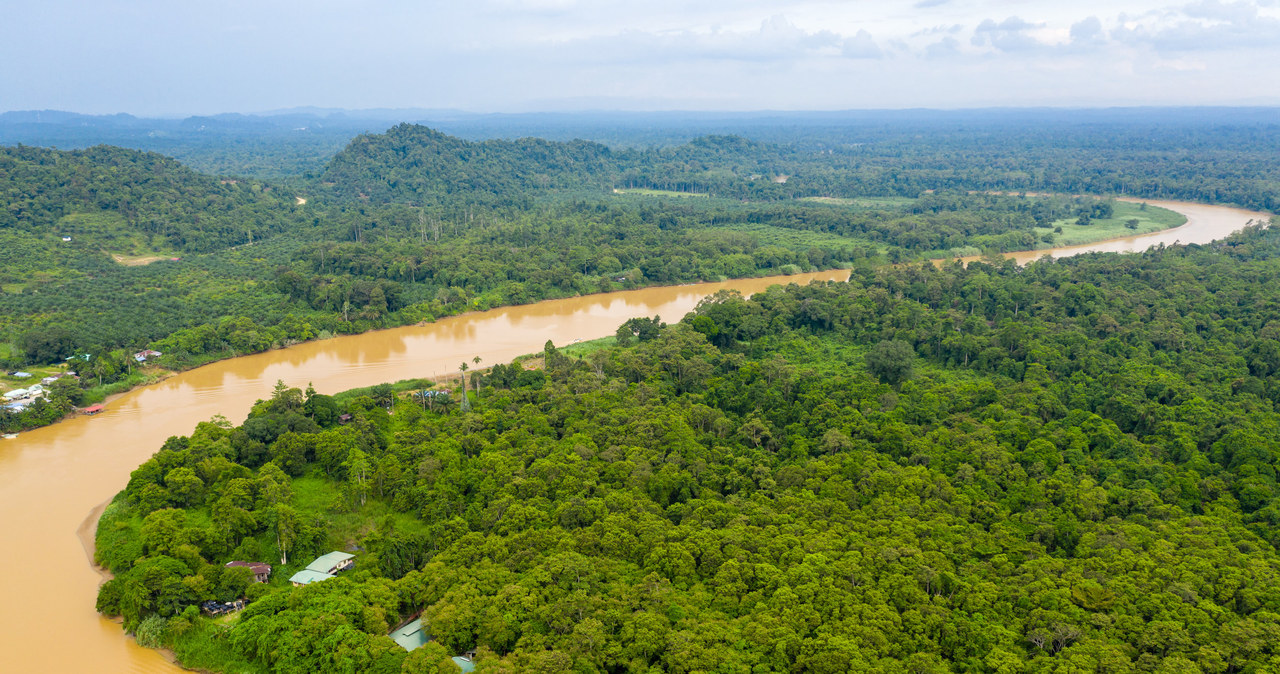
323	568
412	636
332	562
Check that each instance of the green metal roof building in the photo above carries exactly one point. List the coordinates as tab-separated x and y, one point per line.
307	577
332	563
411	636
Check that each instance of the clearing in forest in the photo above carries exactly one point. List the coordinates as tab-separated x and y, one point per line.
644	191
865	202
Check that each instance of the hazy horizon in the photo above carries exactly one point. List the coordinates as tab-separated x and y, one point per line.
377	113
151	58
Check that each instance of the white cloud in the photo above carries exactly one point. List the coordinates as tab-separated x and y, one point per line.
1011	35
776	40
861	46
1088	32
520	54
946	48
1209	25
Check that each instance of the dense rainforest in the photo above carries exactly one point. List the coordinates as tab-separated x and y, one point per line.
1194	154
109	248
108	251
1219	164
1063	467
150	195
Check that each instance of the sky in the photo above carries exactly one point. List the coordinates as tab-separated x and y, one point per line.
161	57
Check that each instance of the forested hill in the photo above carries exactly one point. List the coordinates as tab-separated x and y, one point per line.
1067	467
107	193
415	164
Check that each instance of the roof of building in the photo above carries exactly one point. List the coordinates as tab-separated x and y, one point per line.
411	636
255	567
307	577
93	409
325	562
465	664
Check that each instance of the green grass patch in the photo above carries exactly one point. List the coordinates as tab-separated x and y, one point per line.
346	525
863	202
581	349
203	647
402	386
112	233
646	192
785	237
1150	219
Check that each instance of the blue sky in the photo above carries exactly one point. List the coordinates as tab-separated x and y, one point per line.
165	57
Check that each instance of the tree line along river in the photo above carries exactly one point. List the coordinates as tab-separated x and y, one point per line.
53	479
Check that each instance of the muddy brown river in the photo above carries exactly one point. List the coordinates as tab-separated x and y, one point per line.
51	479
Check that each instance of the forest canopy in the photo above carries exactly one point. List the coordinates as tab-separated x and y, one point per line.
1076	473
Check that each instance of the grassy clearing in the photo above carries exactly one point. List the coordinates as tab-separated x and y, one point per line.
581	349
863	202
646	192
402	386
1150	219
785	237
112	233
319	495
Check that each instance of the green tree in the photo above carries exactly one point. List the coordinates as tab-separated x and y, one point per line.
891	361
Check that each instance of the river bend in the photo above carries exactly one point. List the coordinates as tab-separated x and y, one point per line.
52	477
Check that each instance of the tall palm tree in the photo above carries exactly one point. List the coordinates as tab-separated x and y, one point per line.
465	402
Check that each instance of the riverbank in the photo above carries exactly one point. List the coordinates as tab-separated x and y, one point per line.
65	471
1204	223
1074	245
538	468
87	533
154	372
